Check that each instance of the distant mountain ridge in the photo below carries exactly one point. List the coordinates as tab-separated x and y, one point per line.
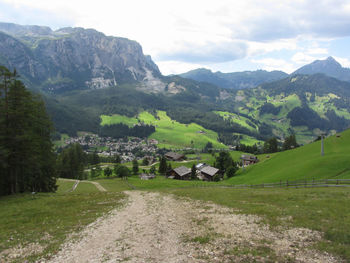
329	67
235	80
73	58
252	79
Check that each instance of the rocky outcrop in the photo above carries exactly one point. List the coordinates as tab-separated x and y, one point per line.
74	58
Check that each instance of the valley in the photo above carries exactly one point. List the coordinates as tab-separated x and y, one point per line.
105	159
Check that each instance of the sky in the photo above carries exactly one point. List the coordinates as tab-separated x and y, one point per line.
221	35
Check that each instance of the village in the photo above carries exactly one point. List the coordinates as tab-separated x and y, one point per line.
127	148
133	148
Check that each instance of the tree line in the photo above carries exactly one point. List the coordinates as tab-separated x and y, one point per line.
27	159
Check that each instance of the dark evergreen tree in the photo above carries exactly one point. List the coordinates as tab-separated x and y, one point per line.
290	142
121	171
145	161
162	165
27	161
223	161
271	145
193	172
135	167
107	171
70	162
231	171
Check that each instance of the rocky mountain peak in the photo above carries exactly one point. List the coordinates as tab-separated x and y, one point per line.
74	58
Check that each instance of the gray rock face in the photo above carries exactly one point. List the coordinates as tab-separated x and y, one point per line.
73	58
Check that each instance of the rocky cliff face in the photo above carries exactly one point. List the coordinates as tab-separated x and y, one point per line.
74	58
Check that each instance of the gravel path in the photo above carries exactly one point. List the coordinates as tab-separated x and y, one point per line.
98	186
155	227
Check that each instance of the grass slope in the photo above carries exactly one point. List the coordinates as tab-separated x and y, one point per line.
116	118
172	134
169	133
302	163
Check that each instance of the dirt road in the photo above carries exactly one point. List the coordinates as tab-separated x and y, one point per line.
155	227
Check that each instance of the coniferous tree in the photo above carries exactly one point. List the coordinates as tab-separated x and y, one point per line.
193	172
135	167
162	166
26	151
70	163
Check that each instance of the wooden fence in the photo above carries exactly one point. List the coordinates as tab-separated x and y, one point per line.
291	184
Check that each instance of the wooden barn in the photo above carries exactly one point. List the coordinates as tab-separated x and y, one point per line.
181	173
172	156
207	173
249	159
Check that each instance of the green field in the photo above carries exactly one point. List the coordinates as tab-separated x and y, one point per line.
170	133
302	163
116	118
242	121
47	219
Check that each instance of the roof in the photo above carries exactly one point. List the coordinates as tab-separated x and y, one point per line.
248	157
182	170
173	155
209	170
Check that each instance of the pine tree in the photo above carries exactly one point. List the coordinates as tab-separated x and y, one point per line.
162	166
27	158
193	172
135	167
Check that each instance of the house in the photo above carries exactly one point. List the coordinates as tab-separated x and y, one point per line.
207	173
180	173
172	156
248	159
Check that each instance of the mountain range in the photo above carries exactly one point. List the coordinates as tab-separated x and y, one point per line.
83	74
252	79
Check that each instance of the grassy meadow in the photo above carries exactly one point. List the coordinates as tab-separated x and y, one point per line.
170	133
45	220
303	163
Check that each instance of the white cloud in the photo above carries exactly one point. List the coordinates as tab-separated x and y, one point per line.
176	67
345	62
317	51
303	58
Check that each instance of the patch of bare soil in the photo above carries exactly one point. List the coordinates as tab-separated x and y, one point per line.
155	227
19	252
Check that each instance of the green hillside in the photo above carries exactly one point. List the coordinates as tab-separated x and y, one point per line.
169	133
302	163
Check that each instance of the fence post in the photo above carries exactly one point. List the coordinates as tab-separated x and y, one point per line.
287	183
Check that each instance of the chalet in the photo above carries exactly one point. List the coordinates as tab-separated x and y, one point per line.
249	159
207	173
172	156
180	173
